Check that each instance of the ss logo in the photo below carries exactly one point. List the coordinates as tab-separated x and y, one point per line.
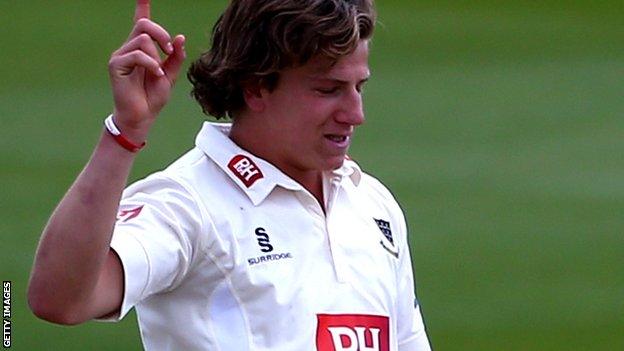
263	240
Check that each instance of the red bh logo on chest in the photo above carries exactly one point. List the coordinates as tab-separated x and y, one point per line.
352	332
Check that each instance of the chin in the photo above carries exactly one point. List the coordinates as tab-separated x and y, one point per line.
334	163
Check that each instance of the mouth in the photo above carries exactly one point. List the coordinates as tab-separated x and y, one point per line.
339	140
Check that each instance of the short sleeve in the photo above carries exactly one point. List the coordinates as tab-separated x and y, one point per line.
156	236
411	329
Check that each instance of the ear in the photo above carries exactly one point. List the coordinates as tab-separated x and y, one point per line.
254	96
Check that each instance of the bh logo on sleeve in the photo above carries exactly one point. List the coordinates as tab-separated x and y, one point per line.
352	332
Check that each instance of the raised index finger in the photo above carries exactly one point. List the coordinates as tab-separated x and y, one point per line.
142	10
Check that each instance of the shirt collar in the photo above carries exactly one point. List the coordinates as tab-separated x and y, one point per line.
349	169
254	175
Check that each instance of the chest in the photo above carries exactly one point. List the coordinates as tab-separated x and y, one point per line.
287	254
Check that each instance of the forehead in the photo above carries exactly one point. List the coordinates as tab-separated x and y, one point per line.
353	66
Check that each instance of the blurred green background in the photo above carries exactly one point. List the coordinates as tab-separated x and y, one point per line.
499	125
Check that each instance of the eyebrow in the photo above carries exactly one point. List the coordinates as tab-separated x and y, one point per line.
339	81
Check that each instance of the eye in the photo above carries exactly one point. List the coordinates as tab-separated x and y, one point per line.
327	91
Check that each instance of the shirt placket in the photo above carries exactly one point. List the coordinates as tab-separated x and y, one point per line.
324	221
331	189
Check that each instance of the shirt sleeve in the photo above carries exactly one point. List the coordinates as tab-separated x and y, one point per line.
411	329
156	236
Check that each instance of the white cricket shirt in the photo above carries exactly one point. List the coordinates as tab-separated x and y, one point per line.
222	251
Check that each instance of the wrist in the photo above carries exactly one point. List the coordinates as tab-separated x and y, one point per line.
129	139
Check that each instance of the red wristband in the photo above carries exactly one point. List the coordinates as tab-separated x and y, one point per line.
119	138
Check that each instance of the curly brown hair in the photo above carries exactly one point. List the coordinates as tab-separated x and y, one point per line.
254	39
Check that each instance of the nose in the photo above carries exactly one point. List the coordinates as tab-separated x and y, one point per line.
352	108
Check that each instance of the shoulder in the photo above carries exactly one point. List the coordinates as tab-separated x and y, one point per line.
371	187
172	188
192	185
177	177
380	201
166	205
376	188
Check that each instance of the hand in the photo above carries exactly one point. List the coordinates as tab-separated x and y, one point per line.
141	81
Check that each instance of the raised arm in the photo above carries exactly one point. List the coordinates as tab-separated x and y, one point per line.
76	276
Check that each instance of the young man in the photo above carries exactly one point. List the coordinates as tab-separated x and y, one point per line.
265	236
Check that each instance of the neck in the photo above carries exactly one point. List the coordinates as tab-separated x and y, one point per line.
256	139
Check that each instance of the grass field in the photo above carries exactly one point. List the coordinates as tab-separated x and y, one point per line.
499	125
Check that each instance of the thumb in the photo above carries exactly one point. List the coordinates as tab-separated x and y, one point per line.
174	62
